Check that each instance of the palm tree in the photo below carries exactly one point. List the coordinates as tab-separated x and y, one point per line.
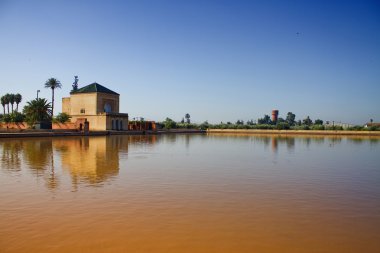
18	99
3	102
38	109
52	83
12	100
7	100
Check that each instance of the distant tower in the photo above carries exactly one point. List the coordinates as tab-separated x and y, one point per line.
274	115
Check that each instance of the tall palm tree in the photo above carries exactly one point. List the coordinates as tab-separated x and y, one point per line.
53	84
12	100
18	99
3	102
7	100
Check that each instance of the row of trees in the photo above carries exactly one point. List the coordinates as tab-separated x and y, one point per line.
10	99
289	122
37	110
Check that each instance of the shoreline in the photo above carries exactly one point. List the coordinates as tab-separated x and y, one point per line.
60	133
295	132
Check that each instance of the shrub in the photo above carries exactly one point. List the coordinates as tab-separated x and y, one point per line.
204	125
169	123
282	126
17	117
318	127
7	118
355	128
62	118
334	128
374	128
301	127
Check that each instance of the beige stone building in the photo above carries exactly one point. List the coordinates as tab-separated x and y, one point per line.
97	105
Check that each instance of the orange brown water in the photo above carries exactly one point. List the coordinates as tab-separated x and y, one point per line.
190	193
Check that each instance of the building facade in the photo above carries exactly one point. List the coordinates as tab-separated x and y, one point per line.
97	105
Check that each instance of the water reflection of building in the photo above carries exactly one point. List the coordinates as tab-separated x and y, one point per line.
92	160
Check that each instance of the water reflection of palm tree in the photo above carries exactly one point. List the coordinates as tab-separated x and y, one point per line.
39	156
10	159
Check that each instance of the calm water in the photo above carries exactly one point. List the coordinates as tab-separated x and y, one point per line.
190	193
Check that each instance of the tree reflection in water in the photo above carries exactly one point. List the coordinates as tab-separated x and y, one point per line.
10	158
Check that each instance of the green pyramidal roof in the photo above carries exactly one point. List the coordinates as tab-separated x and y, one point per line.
94	87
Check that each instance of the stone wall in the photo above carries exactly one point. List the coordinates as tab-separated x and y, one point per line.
20	125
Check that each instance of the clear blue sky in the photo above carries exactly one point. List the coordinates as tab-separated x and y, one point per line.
217	60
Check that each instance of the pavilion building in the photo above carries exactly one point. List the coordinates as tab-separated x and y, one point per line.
97	105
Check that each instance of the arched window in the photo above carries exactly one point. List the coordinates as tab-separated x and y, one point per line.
107	108
117	124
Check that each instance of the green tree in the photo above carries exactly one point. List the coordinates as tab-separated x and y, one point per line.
169	123
265	120
7	100
307	121
37	110
3	103
18	99
318	122
291	118
12	100
204	125
187	117
52	83
250	122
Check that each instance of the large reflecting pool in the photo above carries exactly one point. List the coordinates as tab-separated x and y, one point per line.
190	193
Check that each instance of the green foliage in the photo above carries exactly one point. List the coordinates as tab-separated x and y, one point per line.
265	120
318	122
300	127
53	83
186	125
291	118
356	128
374	128
7	98
318	127
62	118
282	126
12	100
187	117
204	125
334	128
17	117
7	118
307	121
18	99
250	122
4	102
169	123
37	110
